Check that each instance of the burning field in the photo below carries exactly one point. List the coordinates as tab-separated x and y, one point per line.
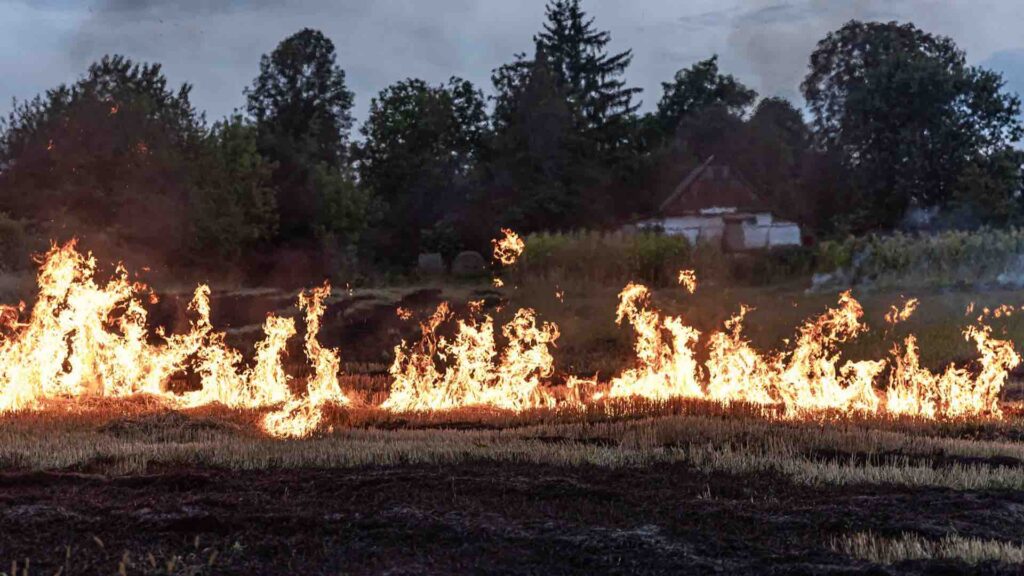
135	443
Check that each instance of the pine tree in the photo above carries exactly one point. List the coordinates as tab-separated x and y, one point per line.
592	79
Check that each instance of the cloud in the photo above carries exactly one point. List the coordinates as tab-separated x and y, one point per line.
216	45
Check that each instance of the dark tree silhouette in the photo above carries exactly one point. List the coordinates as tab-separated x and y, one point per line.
908	118
302	110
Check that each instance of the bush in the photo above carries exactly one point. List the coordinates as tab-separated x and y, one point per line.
652	258
944	259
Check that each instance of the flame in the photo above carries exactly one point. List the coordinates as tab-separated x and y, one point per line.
915	391
688	280
666	365
86	339
83	338
737	372
300	416
508	248
808	377
439	373
896	315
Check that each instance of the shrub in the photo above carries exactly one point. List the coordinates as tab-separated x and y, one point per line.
652	258
944	259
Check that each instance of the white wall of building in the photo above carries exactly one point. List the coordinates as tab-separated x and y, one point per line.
759	231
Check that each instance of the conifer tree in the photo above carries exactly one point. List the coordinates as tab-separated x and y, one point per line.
576	51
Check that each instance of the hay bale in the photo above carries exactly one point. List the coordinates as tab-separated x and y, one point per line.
469	264
430	264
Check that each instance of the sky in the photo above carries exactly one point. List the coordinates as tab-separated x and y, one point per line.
215	45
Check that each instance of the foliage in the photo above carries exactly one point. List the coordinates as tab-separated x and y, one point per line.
232	206
532	185
699	87
421	142
16	244
112	152
302	110
952	258
612	258
300	96
907	115
601	104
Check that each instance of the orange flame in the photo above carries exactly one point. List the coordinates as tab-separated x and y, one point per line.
440	373
688	280
896	315
666	366
508	248
83	338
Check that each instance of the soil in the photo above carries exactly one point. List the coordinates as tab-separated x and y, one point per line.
472	518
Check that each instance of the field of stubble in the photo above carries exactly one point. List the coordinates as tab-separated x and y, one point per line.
625	487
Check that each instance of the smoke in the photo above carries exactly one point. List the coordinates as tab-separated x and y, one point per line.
773	41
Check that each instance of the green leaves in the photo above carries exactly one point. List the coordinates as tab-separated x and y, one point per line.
910	120
697	88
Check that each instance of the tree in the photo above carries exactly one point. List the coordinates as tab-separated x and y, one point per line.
112	154
779	148
906	116
302	110
601	104
420	144
535	153
232	206
699	87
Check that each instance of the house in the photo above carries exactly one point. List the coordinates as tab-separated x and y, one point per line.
714	203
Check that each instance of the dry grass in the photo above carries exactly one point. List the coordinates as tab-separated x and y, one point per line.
135	437
882	550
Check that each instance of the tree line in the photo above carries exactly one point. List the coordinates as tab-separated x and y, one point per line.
898	119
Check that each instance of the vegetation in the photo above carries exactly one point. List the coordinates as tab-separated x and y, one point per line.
913	124
627	434
953	258
907	546
899	121
616	258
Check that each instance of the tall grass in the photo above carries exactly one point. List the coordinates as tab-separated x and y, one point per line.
614	258
953	258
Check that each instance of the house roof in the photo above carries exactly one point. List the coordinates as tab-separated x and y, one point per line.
711	185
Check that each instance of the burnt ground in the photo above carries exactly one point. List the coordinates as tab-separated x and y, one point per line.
472	518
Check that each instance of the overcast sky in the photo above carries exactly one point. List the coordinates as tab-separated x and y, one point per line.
216	44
